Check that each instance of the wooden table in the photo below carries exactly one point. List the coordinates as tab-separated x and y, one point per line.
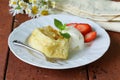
11	68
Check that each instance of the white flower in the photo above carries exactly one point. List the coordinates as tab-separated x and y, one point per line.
34	8
13	3
22	4
53	4
32	11
45	10
34	1
16	11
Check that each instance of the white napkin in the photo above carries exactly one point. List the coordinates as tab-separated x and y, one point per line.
104	12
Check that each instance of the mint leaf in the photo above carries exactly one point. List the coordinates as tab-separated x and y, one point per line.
65	35
61	27
59	24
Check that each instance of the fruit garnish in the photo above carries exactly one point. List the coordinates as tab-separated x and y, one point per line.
90	36
71	24
83	28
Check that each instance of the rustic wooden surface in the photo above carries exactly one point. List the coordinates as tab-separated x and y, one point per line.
11	68
107	67
5	29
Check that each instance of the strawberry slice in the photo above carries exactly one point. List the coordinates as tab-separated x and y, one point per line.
71	24
90	36
83	28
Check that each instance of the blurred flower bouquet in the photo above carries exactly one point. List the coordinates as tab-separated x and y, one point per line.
34	8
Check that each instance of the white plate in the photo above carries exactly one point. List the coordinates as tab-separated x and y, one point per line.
92	51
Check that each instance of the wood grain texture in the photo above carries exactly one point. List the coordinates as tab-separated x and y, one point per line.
18	70
107	67
5	28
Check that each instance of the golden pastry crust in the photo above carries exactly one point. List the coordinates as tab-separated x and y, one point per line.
50	42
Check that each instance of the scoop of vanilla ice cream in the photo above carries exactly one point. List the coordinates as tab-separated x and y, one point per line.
76	40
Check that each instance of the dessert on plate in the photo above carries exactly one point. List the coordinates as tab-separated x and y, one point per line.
59	43
50	42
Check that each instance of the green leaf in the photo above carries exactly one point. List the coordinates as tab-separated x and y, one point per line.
18	7
65	35
59	24
61	27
